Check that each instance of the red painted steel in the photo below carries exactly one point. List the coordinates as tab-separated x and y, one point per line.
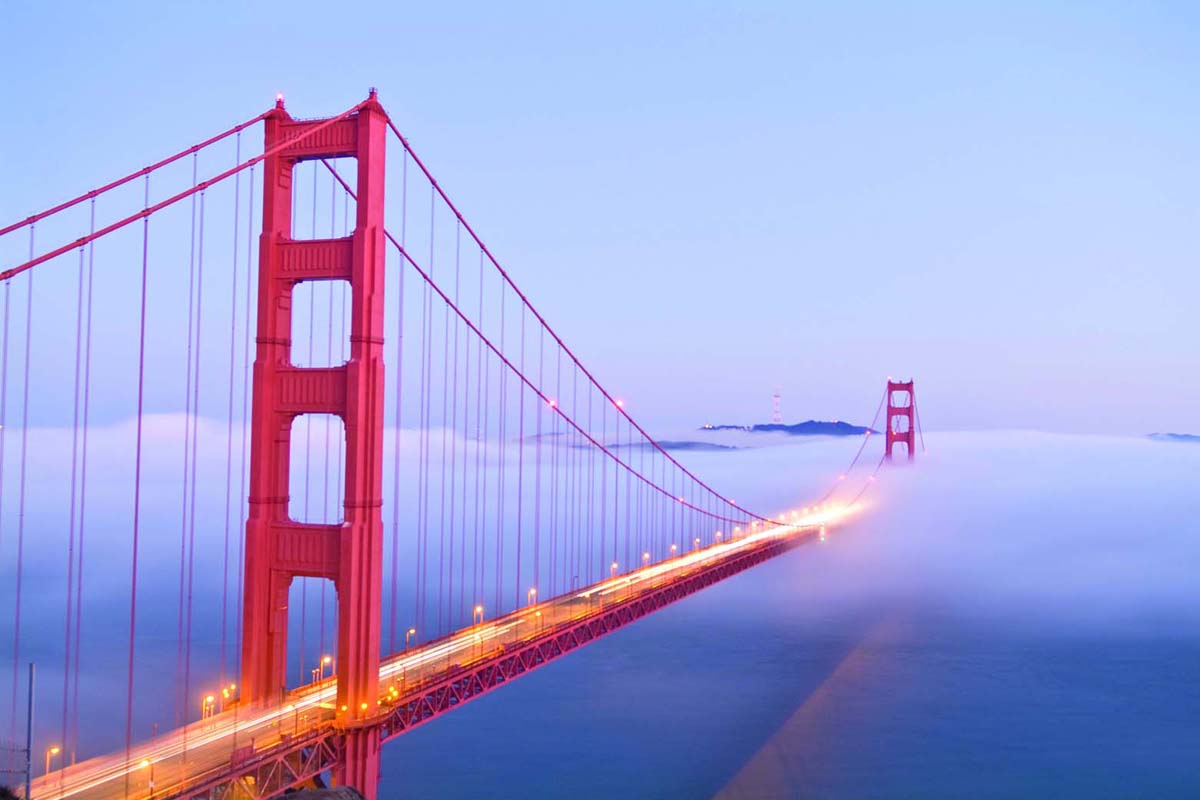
294	763
279	549
94	193
297	761
900	416
280	145
619	406
607	450
348	736
459	686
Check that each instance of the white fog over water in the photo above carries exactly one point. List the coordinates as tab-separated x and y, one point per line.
1005	536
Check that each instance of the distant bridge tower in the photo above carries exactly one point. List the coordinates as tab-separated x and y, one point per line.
278	548
901	403
776	415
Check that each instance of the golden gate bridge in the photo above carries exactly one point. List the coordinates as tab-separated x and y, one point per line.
431	476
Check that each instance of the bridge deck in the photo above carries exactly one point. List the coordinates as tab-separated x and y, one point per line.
264	750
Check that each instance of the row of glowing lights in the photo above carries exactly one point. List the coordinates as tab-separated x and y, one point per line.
831	512
210	704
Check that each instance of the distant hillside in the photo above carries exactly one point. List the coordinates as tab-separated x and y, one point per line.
553	438
810	428
1175	437
695	446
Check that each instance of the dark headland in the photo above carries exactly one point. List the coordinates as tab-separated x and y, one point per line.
1175	437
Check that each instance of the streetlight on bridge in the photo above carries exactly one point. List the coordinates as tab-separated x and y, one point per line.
409	635
51	752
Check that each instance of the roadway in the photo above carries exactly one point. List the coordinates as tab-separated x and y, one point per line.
163	766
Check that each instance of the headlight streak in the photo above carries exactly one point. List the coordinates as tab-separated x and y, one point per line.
228	724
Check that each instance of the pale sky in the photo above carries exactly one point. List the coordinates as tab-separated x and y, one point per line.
711	201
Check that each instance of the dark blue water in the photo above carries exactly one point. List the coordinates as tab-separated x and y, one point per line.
1008	621
716	698
1016	616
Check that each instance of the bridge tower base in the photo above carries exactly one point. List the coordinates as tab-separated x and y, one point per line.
360	762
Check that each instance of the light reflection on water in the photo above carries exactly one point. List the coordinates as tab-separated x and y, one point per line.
1015	618
1017	615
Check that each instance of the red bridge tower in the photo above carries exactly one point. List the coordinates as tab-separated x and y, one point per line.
900	405
278	548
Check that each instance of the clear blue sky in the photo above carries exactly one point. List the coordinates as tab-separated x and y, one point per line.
710	201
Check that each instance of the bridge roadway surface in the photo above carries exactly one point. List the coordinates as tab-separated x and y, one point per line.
193	755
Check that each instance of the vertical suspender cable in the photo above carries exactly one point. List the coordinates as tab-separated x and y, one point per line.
137	488
482	384
21	482
343	357
453	427
641	541
247	367
537	469
87	382
503	448
591	494
191	556
421	432
576	483
233	287
71	512
555	550
920	428
866	437
397	429
461	506
445	418
329	361
616	486
520	461
428	355
3	437
426	392
629	492
180	691
603	491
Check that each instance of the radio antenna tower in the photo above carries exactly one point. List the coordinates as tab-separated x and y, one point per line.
776	416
